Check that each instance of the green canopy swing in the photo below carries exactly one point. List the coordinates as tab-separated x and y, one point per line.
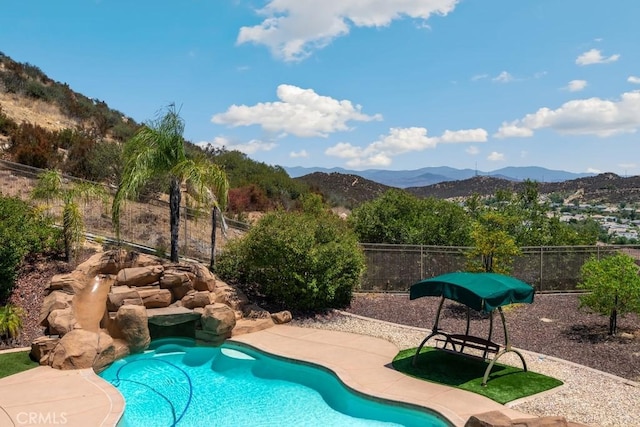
484	292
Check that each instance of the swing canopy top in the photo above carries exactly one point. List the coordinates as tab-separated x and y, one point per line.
480	291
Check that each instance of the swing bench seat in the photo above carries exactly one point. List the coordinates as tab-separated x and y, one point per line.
457	343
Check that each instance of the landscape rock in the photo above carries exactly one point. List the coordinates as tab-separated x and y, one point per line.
67	283
173	278
247	326
41	347
218	319
282	317
254	311
56	300
204	279
156	298
80	349
198	299
230	296
132	323
116	298
61	321
139	276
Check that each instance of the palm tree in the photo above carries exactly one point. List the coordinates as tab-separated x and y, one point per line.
158	150
50	186
10	321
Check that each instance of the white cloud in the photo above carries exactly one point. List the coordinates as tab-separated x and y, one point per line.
592	116
634	80
503	77
299	154
250	147
466	135
576	85
593	170
540	74
300	112
594	56
524	154
495	156
293	29
512	130
479	77
399	141
472	150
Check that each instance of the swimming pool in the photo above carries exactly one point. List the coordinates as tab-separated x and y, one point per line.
176	383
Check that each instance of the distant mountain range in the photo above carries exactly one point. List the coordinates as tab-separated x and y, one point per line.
434	175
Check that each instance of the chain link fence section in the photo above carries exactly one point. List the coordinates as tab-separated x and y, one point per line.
394	268
145	224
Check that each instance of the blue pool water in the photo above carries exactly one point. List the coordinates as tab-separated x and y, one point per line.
176	383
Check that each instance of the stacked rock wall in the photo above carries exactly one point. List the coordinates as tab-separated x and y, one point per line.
102	310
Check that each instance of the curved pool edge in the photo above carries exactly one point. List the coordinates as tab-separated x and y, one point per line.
363	364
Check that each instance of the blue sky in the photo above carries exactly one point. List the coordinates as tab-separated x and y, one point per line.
384	84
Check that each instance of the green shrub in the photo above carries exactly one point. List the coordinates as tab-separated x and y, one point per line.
302	261
23	231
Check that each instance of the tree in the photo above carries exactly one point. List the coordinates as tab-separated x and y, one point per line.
397	217
157	150
614	287
50	186
493	246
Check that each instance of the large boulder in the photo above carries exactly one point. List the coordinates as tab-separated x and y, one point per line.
247	326
282	317
139	276
173	278
61	321
156	298
233	297
41	347
56	300
198	299
132	323
204	279
80	349
218	319
118	295
68	283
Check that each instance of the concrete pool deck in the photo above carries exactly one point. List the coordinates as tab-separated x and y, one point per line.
45	396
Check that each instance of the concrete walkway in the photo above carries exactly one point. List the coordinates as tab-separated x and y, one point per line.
44	396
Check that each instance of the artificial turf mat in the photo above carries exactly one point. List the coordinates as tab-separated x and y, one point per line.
506	383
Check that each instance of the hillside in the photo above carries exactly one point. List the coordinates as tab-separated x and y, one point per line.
600	189
343	189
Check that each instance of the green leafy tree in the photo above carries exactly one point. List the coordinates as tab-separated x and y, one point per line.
303	260
157	150
397	217
613	286
50	186
494	248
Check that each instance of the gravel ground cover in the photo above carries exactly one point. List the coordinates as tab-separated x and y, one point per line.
558	340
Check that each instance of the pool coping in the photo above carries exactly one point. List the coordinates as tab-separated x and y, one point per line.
361	362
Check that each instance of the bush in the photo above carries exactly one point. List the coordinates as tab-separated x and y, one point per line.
302	261
23	232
